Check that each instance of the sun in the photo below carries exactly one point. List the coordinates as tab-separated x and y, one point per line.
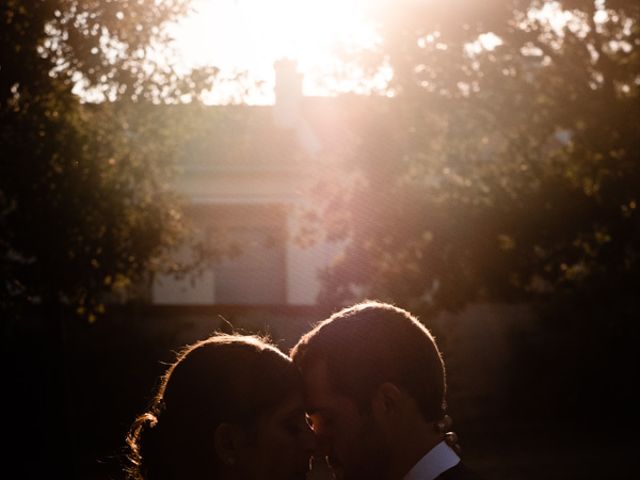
250	35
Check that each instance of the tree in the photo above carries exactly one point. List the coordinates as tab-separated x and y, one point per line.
85	205
509	172
85	202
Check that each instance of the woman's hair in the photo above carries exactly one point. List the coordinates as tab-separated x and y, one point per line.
225	378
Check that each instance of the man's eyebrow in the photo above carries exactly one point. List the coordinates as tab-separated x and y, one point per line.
315	410
297	411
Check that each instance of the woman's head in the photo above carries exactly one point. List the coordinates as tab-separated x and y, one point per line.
230	406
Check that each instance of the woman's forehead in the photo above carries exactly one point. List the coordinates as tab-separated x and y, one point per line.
292	405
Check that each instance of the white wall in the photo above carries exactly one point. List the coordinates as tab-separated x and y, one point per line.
167	290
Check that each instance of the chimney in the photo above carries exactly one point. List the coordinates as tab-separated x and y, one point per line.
288	92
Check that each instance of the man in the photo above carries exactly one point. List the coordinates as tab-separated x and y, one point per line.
375	390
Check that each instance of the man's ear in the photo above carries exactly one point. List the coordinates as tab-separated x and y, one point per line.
228	440
387	400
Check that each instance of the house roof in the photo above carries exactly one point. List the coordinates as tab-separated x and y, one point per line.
250	137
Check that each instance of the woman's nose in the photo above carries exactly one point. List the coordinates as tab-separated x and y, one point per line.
309	441
322	444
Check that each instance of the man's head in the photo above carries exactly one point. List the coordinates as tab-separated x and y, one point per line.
371	371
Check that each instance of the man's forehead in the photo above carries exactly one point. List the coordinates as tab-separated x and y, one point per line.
318	391
316	377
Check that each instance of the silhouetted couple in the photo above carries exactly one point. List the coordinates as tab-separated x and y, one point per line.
369	380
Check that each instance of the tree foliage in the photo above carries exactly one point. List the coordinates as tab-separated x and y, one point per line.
509	170
85	203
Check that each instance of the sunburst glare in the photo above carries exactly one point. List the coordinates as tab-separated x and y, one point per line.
249	35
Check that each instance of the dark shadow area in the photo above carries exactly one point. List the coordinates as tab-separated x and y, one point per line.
69	403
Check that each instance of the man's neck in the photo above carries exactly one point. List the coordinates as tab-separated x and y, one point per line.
408	450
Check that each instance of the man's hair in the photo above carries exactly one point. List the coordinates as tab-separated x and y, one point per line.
368	344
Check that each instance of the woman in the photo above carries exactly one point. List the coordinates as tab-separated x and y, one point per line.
230	407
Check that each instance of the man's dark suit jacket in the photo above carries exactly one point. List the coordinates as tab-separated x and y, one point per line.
459	472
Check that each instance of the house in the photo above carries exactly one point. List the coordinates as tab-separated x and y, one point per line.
247	177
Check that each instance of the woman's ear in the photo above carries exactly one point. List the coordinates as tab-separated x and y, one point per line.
228	440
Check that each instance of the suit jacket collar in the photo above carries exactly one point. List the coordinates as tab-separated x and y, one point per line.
437	460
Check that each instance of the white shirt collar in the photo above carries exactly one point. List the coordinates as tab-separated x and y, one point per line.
437	460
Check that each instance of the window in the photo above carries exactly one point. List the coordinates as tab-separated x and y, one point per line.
255	272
